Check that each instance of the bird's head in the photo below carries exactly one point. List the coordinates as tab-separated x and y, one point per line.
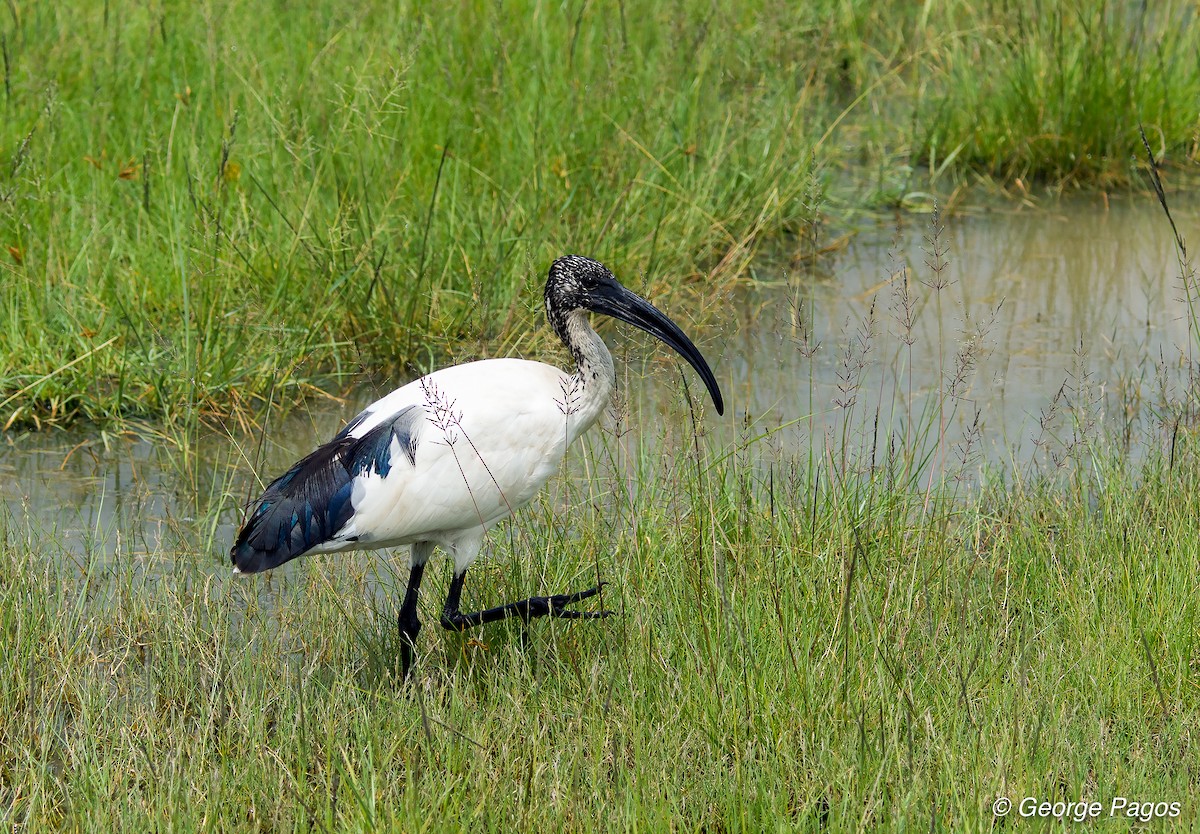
577	283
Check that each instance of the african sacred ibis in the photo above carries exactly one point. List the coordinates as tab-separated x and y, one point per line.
443	459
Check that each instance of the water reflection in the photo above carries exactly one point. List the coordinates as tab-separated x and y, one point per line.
1085	297
1039	313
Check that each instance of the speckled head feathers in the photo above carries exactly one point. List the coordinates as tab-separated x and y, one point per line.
570	285
579	283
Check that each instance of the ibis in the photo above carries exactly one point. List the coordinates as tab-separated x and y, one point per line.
440	461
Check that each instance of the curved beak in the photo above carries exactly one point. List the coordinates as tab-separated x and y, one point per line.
618	302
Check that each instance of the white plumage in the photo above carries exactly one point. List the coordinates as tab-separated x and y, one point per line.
491	434
441	460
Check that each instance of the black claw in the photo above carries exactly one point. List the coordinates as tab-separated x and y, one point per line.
555	606
526	609
567	599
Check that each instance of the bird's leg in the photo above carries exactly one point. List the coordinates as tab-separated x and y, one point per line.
526	609
410	626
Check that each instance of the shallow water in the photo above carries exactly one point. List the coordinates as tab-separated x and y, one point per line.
1086	299
1069	317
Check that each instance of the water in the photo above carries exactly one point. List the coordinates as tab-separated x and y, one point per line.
1080	309
1072	311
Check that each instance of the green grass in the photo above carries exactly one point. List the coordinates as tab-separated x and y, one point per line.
1055	90
208	206
205	207
796	643
857	631
210	200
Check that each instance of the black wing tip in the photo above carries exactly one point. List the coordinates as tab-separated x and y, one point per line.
311	502
243	561
247	559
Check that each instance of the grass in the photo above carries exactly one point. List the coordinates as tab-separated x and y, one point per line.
208	207
1067	85
241	198
830	634
213	208
797	649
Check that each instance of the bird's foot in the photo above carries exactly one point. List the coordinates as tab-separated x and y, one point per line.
527	609
555	606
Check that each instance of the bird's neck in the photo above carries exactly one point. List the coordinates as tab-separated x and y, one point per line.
594	376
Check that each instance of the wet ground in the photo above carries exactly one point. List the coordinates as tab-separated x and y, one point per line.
1005	333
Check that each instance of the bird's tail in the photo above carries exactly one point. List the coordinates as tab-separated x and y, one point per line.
297	512
310	503
248	559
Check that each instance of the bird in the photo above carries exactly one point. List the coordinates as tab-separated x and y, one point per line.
441	460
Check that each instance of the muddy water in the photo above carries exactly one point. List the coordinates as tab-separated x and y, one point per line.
1027	327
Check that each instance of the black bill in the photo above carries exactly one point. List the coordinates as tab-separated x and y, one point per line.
618	302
